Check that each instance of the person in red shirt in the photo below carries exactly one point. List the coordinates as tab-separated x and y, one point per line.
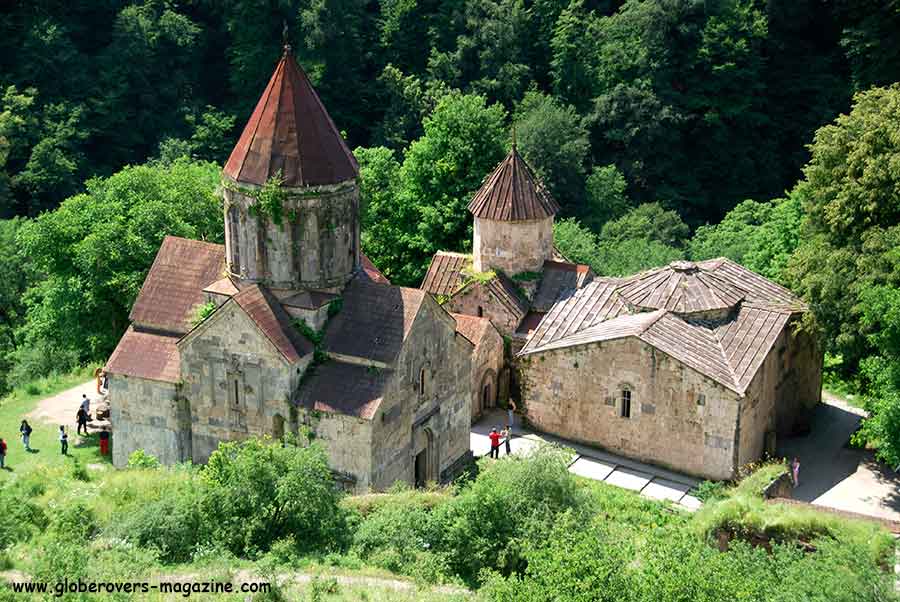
495	443
2	453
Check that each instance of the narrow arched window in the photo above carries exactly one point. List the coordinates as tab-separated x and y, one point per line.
422	382
234	229
625	406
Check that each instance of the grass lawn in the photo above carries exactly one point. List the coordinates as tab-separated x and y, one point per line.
45	437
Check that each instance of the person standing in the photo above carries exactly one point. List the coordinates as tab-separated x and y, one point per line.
507	434
2	453
104	441
63	440
85	404
25	429
495	443
795	471
510	409
81	420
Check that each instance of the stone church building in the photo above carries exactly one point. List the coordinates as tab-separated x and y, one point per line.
693	366
288	325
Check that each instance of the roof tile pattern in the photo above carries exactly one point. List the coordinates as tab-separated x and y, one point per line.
513	193
344	388
557	278
174	286
444	274
371	271
149	355
291	133
374	321
664	308
271	319
472	328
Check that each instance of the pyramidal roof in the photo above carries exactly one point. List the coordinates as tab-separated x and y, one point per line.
513	193
291	133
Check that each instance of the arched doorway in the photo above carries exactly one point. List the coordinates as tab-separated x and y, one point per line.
425	460
278	427
486	395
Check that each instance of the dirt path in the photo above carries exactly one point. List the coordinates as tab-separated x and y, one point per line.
61	408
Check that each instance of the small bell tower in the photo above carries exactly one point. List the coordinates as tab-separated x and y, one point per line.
513	219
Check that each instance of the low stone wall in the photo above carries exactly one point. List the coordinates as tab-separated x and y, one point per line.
782	487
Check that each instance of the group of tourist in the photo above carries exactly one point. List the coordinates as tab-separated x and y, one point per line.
505	435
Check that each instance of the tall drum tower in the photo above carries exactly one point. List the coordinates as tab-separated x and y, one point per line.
290	192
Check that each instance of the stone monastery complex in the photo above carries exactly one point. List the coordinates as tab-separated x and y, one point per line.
693	366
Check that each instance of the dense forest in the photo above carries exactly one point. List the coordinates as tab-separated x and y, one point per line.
766	131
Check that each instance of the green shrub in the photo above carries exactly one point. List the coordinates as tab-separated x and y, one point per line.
509	503
141	459
708	491
74	519
20	516
257	493
78	471
172	525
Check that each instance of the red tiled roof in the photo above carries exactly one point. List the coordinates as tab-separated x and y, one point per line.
174	285
472	328
374	321
371	271
291	132
222	287
444	273
273	322
147	355
343	388
513	193
556	278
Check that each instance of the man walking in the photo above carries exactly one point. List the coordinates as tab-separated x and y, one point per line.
85	404
507	434
81	421
25	430
495	443
63	440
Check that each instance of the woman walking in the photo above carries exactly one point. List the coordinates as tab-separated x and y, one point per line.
25	429
63	440
795	471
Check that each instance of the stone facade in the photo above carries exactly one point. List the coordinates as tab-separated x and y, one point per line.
678	417
577	393
477	299
238	384
154	418
512	246
315	245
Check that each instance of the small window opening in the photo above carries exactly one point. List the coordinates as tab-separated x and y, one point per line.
626	404
422	382
480	312
701	399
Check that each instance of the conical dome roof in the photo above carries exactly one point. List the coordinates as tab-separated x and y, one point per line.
513	193
291	132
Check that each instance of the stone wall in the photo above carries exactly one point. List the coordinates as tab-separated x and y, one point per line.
238	384
576	393
409	421
513	247
477	296
487	366
147	415
801	388
348	442
316	245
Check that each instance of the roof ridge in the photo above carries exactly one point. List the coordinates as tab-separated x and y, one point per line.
731	368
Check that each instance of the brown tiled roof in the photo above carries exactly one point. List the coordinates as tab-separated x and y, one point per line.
374	321
507	292
273	322
556	278
513	193
174	286
291	133
728	348
444	275
222	287
344	388
530	322
149	355
371	271
472	328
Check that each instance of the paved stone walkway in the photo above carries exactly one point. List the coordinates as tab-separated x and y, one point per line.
648	480
62	407
835	475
